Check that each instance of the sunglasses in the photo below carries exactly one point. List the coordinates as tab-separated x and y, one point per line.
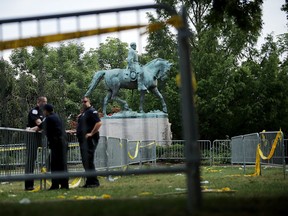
84	101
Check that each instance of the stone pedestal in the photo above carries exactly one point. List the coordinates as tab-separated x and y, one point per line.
137	126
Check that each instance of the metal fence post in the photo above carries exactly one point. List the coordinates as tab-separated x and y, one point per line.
189	119
244	155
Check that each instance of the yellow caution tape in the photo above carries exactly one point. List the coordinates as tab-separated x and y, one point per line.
36	189
278	138
137	149
259	154
145	194
222	190
85	197
194	81
175	21
43	170
75	183
4	149
104	196
149	144
73	145
136	152
41	40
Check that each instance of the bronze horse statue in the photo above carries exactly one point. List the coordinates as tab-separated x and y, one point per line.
120	78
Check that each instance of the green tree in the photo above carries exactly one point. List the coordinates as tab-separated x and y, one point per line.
112	54
217	45
7	94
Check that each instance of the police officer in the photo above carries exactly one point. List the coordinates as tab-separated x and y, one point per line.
35	118
56	137
134	66
88	137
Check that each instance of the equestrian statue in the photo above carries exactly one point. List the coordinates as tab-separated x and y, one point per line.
139	77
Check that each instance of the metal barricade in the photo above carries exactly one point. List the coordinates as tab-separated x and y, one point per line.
147	151
114	152
266	142
221	151
12	151
21	151
110	152
73	155
175	151
244	149
133	152
285	141
250	142
206	151
237	150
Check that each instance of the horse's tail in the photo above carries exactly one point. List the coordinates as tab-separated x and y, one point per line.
96	79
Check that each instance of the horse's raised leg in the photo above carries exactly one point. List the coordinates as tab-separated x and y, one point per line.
159	95
106	100
142	98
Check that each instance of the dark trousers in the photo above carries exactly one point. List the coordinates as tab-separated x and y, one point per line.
87	149
59	163
33	141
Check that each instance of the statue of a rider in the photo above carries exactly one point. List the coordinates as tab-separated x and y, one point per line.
134	66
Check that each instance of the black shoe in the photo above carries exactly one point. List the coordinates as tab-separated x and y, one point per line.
67	188
90	186
29	188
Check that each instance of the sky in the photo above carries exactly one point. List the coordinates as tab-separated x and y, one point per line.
274	19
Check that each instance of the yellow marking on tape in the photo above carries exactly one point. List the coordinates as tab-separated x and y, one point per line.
175	21
136	152
259	154
4	149
149	144
39	41
137	149
73	145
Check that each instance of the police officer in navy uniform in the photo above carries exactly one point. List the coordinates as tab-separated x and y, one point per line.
57	142
87	132
34	140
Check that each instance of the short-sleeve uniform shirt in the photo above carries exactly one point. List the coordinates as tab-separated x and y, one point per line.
87	121
34	114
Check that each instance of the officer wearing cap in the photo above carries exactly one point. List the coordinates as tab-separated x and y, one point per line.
56	136
33	141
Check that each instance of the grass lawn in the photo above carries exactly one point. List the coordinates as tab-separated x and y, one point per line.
226	191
